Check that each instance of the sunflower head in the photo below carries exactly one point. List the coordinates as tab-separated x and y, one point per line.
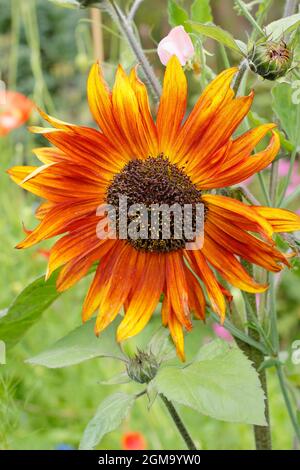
174	159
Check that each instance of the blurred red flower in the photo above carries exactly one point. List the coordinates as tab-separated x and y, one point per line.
15	110
133	441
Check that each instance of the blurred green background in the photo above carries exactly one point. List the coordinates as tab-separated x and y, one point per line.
45	53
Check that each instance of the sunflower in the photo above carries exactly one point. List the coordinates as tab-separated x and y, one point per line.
172	159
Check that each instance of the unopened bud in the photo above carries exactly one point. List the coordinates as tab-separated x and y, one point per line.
142	367
271	60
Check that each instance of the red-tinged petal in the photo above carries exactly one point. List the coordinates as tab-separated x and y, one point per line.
229	267
176	332
240	242
148	125
100	102
216	96
177	288
196	297
60	219
220	130
172	106
102	277
80	241
127	113
202	270
115	284
250	249
244	169
244	145
237	211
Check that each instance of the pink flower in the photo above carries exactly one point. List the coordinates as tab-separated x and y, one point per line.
222	333
178	43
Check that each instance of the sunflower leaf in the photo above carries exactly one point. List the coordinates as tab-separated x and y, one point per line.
285	104
66	3
222	384
27	309
110	414
177	14
201	11
215	32
80	345
279	28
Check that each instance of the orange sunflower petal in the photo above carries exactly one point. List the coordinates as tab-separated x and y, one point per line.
177	288
202	270
144	298
116	284
244	169
149	127
281	220
176	332
217	95
236	210
172	106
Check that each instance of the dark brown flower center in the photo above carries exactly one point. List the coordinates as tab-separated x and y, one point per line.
155	181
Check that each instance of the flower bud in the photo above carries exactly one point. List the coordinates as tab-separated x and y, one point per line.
271	60
142	367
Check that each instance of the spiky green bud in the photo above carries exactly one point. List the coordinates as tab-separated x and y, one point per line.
142	367
271	60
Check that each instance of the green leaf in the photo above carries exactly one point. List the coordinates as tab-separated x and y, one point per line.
117	379
161	346
217	33
80	345
110	414
256	120
67	3
177	14
222	384
27	309
279	28
201	11
212	350
286	110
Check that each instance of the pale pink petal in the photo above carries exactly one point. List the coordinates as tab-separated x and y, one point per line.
221	332
178	43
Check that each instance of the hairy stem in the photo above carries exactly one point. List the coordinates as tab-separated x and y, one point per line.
247	14
179	424
287	400
290	7
262	434
125	27
240	75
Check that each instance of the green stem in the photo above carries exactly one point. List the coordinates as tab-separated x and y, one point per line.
287	400
261	18
290	7
240	75
262	434
126	28
15	33
179	424
224	56
264	188
292	162
240	335
247	14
